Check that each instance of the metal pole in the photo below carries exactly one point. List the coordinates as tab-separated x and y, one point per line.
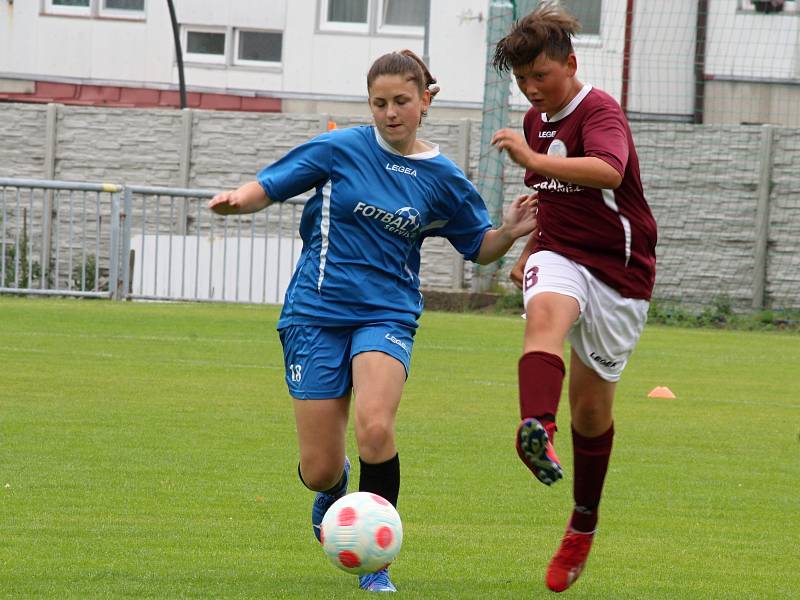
496	92
178	53
425	44
51	139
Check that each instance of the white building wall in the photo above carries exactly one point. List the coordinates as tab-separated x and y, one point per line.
748	45
457	49
742	45
662	58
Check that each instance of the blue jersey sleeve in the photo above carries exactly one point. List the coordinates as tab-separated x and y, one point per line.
304	167
469	223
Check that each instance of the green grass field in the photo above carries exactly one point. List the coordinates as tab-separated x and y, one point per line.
148	451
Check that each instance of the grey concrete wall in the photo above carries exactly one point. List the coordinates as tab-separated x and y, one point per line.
702	183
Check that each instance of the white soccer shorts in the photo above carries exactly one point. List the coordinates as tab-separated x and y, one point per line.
609	325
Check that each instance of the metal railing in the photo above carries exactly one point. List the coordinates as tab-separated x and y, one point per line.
57	237
137	242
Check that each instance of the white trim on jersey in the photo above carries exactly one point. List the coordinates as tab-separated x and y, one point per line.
432	153
611	202
324	229
573	104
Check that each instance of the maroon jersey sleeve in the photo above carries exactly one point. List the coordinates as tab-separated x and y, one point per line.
605	137
610	232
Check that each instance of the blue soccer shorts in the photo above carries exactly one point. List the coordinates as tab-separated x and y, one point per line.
318	359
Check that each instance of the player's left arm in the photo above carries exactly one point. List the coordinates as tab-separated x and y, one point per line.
519	220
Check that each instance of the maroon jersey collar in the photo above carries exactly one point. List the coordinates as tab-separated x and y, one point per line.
569	108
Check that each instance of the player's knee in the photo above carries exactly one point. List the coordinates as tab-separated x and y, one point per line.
374	437
317	476
590	417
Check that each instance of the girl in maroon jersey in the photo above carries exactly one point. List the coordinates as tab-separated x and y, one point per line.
587	273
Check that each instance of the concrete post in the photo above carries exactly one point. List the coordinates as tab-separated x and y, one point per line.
762	218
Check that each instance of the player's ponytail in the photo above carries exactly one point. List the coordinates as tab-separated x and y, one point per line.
430	80
405	63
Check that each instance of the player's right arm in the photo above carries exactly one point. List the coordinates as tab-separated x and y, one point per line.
249	198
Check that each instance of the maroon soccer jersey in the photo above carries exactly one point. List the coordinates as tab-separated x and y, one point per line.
610	232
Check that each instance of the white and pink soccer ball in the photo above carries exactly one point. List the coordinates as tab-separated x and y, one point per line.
361	533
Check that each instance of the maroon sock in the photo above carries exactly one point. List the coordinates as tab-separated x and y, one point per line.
541	376
590	456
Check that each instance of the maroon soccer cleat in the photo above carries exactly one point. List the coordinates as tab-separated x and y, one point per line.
569	560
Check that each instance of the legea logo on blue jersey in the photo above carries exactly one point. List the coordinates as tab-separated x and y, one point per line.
401	169
403	222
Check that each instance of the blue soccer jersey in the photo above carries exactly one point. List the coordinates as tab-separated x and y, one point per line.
363	228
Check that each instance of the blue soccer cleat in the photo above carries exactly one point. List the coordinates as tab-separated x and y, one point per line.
322	501
536	451
376	582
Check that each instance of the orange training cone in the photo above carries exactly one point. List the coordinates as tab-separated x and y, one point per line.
661	392
331	125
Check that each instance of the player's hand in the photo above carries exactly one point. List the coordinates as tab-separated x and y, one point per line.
520	217
516	146
224	203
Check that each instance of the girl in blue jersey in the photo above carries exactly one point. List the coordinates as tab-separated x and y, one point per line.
351	309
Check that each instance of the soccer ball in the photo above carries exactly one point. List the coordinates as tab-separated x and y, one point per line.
361	533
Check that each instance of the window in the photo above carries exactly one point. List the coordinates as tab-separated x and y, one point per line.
122	8
405	13
205	45
588	13
769	6
345	15
257	47
403	16
392	17
126	9
137	5
69	7
347	11
232	46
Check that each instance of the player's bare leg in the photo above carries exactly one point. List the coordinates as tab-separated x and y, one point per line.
591	401
378	381
321	430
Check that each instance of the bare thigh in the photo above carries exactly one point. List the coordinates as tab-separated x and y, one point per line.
549	317
378	381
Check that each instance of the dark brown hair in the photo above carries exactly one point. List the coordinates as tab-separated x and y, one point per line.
547	29
407	64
